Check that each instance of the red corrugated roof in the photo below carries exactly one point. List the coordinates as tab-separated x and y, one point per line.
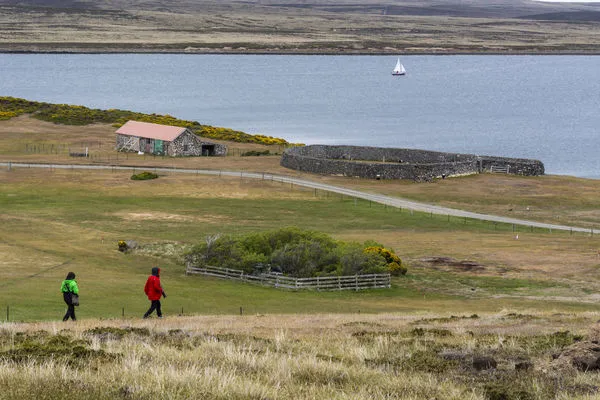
151	131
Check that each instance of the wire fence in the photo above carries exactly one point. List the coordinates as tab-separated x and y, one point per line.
104	151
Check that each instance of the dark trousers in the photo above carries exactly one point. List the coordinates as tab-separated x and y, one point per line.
154	306
71	308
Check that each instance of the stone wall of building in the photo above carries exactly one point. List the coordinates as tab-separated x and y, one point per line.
389	163
190	144
186	144
123	139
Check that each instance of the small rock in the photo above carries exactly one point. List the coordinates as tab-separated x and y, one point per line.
524	366
586	363
484	362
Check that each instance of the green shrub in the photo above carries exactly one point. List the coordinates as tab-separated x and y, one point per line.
291	251
5	115
256	153
356	260
394	263
123	246
143	176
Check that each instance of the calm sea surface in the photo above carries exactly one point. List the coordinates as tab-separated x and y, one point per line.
543	107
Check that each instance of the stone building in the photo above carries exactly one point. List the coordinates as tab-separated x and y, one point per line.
167	140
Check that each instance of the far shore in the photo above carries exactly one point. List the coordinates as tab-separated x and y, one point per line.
314	53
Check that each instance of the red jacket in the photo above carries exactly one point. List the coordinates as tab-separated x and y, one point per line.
153	289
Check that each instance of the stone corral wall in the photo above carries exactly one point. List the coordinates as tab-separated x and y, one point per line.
389	163
516	166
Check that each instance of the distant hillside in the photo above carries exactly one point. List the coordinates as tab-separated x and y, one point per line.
300	27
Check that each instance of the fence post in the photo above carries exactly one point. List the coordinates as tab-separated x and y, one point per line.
7	313
356	283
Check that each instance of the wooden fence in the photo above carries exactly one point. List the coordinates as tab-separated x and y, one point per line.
323	283
496	169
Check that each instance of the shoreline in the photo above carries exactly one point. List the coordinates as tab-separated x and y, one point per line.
323	53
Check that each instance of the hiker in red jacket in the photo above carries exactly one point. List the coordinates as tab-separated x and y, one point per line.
154	290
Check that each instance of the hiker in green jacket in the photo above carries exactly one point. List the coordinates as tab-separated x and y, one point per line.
68	289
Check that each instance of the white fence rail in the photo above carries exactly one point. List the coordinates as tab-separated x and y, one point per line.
323	283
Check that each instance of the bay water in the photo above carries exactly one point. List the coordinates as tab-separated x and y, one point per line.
542	107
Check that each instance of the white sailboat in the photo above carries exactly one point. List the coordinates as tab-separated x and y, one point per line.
399	69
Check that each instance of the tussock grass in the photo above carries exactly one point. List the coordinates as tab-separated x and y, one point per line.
304	357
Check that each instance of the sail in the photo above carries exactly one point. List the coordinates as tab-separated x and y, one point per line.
399	68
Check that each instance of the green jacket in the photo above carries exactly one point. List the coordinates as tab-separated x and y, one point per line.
69	286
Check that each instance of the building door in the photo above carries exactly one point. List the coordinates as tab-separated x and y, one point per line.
158	147
208	149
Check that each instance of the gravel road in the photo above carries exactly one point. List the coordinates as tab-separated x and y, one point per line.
377	198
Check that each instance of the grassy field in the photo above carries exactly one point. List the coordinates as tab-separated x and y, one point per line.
322	26
481	314
51	226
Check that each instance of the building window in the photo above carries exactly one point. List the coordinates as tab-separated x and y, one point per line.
185	147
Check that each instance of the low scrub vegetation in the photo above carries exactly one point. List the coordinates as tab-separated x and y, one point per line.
79	115
295	252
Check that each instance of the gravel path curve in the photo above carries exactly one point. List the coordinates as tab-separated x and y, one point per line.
377	198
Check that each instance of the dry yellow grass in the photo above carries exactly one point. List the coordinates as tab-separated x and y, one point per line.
323	356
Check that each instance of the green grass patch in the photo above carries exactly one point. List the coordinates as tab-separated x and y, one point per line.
144	176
